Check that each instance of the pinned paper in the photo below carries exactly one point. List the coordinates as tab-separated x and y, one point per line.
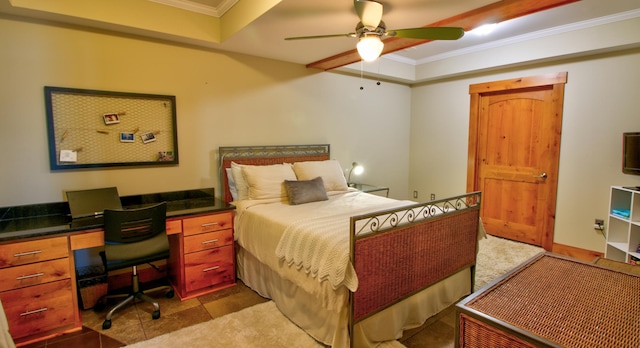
68	156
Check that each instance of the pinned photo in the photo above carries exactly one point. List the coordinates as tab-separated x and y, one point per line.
111	118
127	137
165	156
148	137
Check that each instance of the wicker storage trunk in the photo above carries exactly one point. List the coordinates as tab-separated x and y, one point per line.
92	284
553	301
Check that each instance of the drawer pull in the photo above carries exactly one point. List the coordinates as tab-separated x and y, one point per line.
34	311
210	241
27	253
209	224
30	276
210	268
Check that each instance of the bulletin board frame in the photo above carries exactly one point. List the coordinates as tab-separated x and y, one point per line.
93	129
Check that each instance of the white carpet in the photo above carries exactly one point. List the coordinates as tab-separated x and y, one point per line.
264	326
497	256
258	326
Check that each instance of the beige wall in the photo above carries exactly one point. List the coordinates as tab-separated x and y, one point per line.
222	99
602	100
226	99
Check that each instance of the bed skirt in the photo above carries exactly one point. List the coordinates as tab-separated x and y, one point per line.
330	327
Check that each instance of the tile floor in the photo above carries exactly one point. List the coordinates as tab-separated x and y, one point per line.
133	323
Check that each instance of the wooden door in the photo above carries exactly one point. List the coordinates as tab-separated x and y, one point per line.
514	148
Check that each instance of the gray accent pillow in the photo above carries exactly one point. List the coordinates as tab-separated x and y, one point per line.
305	191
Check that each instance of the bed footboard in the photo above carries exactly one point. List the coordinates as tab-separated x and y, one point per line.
397	253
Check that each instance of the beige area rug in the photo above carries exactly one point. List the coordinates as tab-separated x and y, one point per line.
497	256
260	326
263	325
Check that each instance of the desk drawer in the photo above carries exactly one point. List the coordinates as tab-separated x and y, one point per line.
174	226
210	267
207	223
22	253
208	240
34	274
37	309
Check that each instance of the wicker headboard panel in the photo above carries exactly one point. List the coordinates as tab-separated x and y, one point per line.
266	155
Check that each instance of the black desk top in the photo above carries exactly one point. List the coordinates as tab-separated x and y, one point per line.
54	218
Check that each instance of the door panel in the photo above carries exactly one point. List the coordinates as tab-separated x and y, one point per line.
514	149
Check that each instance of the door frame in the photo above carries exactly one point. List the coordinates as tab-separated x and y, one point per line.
557	80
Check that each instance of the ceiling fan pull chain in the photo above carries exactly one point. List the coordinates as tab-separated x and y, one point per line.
361	74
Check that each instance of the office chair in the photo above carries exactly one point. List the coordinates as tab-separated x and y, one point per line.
133	237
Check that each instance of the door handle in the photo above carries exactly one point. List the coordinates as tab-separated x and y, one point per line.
541	176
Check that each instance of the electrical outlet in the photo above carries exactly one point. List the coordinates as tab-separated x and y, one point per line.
415	194
598	225
433	196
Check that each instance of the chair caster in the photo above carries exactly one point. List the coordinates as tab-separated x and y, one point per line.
170	294
155	315
106	325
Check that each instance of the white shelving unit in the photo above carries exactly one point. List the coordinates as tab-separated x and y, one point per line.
623	235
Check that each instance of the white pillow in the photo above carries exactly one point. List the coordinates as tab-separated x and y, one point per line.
267	181
329	170
231	182
241	184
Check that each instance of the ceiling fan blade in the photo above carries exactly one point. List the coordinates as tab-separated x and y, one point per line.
369	11
430	33
320	36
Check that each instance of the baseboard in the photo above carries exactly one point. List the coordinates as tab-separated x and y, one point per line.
578	253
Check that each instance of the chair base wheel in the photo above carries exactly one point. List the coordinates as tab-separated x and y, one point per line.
170	294
155	315
106	325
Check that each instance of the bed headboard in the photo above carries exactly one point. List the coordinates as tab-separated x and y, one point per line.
266	155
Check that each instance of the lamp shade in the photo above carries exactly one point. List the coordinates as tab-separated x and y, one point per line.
355	169
370	48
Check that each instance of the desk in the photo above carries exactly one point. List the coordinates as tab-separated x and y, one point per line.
38	241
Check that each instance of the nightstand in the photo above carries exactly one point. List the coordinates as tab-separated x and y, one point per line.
370	188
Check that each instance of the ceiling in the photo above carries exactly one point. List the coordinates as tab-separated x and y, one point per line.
258	27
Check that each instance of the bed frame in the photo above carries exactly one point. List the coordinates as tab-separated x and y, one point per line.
437	239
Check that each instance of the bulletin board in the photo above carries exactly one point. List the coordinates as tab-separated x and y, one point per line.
89	128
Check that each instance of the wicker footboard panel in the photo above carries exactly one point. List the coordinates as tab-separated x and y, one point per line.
396	264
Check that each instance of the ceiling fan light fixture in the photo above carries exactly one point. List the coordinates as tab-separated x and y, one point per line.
370	47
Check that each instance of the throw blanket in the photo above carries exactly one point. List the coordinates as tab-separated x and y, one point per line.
320	247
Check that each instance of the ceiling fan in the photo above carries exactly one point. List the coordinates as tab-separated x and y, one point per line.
371	29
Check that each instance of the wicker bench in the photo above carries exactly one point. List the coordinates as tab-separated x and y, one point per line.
553	301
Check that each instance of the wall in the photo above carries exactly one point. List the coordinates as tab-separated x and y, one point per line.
601	101
222	99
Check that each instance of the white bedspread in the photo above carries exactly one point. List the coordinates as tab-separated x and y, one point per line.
313	237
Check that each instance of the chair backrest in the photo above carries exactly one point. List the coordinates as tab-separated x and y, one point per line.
135	236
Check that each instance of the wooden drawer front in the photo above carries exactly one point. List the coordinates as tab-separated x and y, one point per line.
174	226
208	240
211	267
207	223
37	309
34	274
21	253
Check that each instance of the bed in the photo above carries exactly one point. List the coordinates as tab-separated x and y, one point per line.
350	268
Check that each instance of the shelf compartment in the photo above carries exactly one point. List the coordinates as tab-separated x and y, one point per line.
614	253
618	231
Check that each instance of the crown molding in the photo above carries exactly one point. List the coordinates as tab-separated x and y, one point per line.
192	6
